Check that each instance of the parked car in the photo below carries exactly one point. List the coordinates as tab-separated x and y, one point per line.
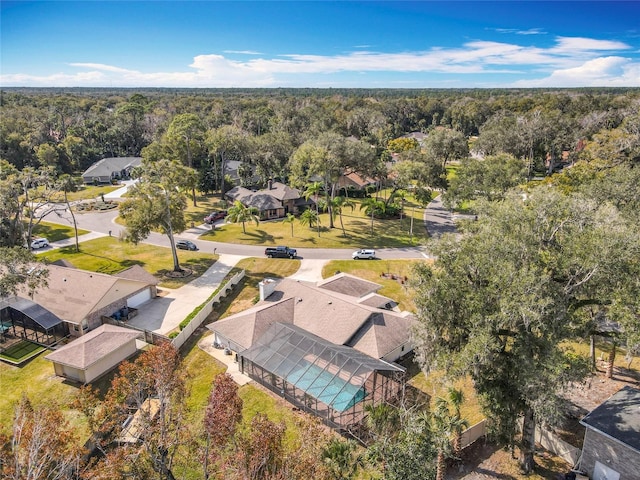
186	245
280	252
39	243
364	253
215	216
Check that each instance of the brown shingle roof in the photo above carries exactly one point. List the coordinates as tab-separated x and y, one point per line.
92	347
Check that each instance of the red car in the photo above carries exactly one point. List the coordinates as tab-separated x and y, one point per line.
215	216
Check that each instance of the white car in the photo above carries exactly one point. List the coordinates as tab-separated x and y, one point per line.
364	253
39	243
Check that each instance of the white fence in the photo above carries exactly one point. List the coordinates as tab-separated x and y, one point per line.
197	320
553	443
473	433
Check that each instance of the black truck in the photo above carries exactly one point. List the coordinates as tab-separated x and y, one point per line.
280	252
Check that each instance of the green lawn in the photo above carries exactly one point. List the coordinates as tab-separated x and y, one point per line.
37	380
21	351
386	232
373	270
88	192
54	232
110	255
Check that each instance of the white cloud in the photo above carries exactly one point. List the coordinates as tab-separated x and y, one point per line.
601	72
530	31
569	62
242	52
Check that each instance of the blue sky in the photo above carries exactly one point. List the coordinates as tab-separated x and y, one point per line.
319	44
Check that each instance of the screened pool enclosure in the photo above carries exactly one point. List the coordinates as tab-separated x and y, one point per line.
334	382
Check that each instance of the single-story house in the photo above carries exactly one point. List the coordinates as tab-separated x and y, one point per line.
328	347
81	298
611	448
355	181
108	169
94	354
275	201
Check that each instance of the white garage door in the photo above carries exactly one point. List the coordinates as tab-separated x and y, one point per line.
139	298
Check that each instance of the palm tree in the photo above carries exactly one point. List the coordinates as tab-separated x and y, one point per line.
290	218
240	213
313	190
337	205
341	459
310	217
455	397
371	206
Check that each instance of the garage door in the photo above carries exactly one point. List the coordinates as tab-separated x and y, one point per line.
139	298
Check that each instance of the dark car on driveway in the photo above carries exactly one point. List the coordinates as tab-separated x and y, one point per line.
215	216
186	245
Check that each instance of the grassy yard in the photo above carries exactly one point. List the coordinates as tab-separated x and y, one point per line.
373	270
110	255
36	380
88	192
54	231
386	233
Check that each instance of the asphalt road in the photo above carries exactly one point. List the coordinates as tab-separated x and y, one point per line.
104	222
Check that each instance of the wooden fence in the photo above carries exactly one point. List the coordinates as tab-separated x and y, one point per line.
555	444
204	312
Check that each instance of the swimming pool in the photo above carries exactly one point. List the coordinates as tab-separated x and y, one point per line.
326	387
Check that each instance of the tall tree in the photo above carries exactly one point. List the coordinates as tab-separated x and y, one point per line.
290	218
42	444
20	270
185	138
226	143
157	201
446	145
221	420
499	303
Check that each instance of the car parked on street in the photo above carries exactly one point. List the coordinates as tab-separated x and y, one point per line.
39	243
186	245
280	252
364	253
215	216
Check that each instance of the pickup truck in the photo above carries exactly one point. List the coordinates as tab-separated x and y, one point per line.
280	252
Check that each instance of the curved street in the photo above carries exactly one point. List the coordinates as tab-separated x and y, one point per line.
164	313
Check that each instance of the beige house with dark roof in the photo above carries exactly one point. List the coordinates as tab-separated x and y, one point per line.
327	348
81	298
94	354
343	309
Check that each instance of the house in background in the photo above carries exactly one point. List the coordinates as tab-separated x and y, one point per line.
328	348
611	449
94	354
109	169
355	181
81	298
275	201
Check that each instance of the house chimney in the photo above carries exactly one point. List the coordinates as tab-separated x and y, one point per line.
270	184
266	287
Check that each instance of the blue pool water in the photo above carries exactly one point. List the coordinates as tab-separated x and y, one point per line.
326	387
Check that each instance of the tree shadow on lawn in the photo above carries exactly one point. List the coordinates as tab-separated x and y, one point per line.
53	233
260	236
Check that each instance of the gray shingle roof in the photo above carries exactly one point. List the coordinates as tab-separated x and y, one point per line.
106	166
618	417
349	285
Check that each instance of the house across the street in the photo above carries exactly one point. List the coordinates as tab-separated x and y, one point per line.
275	201
109	169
